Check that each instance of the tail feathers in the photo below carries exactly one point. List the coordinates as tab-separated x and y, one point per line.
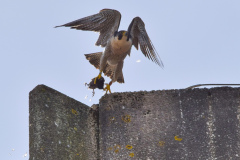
120	79
94	59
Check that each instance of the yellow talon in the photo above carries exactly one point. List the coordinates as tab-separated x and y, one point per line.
107	88
98	77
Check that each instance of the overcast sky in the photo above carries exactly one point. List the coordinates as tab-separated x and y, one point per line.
198	42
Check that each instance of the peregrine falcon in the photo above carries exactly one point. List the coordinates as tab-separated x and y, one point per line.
117	44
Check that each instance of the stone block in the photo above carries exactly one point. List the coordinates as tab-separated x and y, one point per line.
198	124
185	124
60	127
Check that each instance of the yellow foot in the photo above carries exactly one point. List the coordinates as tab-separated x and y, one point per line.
98	77
107	88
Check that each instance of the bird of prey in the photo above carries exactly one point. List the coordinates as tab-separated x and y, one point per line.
117	44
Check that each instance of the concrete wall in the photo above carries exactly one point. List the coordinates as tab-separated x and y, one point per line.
60	127
198	124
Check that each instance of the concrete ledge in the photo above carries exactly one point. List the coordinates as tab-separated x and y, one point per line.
182	124
196	124
61	128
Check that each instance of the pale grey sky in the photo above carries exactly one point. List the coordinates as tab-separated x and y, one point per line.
198	42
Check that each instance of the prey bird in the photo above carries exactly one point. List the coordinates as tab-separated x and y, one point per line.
117	44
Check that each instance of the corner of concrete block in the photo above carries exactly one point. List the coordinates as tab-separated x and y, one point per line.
60	127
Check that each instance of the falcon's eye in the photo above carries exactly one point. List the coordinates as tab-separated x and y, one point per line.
120	35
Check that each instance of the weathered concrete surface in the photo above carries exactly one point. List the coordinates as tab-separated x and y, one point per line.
61	128
198	124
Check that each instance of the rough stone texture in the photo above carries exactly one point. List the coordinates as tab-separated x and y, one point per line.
61	128
193	124
198	124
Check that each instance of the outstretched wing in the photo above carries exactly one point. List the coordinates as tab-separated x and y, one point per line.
106	22
139	36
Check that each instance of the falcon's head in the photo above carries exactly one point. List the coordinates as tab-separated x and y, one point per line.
121	34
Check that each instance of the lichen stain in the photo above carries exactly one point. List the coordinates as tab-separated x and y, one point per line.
75	128
74	112
129	147
117	148
109	148
43	89
177	138
131	154
161	143
126	118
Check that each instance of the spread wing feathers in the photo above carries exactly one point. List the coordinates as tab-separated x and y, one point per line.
106	22
94	59
139	36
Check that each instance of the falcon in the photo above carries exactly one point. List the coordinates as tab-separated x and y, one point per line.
117	44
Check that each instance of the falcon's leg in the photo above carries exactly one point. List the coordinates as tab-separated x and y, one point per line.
98	77
103	62
107	88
